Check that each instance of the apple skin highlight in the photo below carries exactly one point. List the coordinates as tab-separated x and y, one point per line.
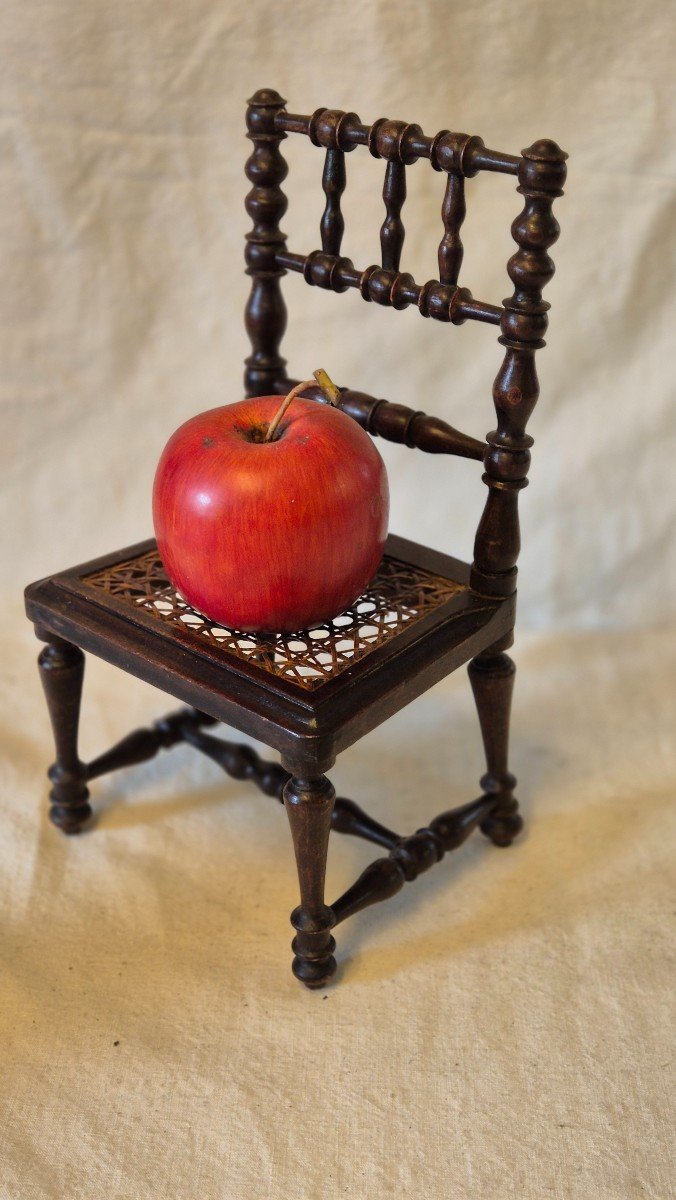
270	536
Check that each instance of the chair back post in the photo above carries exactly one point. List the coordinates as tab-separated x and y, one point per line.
265	313
542	173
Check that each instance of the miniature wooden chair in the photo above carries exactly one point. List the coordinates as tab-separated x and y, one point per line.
311	695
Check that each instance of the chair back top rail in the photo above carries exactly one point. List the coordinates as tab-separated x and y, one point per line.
398	141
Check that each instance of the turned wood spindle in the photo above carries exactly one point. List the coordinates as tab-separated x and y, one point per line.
62	672
309	804
143	744
398	423
393	289
392	229
542	173
453	212
492	680
265	313
410	856
243	762
332	225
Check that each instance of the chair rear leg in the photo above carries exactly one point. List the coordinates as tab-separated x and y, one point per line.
62	671
309	805
492	679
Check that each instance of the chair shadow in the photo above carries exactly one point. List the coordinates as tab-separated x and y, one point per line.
112	812
559	888
558	875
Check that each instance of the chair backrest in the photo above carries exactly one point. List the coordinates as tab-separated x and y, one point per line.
540	171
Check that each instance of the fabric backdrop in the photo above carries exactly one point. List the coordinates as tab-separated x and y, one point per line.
500	1029
121	236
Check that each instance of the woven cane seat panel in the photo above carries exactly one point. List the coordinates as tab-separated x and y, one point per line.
399	594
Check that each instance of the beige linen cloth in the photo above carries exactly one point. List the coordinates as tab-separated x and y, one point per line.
502	1027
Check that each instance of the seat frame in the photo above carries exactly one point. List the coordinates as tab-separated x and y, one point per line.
471	620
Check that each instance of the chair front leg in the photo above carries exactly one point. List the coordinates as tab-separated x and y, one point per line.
309	804
492	679
62	672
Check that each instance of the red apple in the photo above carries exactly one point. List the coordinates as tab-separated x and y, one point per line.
270	535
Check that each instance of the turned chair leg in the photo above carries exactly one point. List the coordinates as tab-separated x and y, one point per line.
309	804
492	679
62	671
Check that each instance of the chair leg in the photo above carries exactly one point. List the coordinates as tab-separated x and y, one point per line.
492	679
62	671
309	804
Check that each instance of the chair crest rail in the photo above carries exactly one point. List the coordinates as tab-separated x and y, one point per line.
397	141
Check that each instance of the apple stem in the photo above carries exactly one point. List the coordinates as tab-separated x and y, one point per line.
322	380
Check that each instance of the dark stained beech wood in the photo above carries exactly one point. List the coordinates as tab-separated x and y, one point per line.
492	679
144	744
332	224
243	762
390	288
430	612
265	313
309	804
397	423
495	811
392	229
542	173
397	141
411	856
62	672
453	212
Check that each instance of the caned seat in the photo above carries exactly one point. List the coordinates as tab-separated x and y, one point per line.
311	694
308	694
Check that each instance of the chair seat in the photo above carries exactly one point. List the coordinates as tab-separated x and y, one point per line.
309	694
